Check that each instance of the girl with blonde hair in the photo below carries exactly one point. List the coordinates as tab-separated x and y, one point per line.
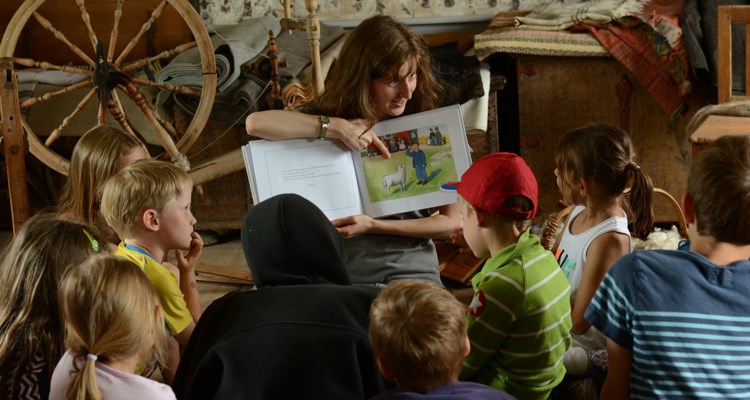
99	154
113	321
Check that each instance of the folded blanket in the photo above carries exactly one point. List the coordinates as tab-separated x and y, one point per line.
557	15
233	46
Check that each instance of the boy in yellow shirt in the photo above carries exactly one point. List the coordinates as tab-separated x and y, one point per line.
148	205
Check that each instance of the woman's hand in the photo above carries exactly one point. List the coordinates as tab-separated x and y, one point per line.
356	135
457	238
353	225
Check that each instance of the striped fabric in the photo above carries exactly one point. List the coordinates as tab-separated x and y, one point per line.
536	42
686	320
519	321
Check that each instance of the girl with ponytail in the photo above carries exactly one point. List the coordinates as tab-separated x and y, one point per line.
113	324
596	171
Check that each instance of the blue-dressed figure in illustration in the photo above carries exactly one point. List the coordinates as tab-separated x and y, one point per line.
419	162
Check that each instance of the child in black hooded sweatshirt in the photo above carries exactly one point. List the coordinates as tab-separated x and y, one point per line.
301	334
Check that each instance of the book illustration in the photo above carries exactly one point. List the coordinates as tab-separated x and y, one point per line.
421	161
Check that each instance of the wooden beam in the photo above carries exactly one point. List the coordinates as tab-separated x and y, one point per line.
14	144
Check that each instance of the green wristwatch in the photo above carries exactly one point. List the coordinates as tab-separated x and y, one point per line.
323	126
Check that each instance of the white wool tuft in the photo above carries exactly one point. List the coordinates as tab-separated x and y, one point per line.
659	239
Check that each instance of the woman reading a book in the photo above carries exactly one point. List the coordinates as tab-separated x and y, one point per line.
383	71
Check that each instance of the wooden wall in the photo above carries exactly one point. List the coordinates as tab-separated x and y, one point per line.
38	43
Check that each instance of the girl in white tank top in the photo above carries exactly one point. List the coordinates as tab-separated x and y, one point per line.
594	168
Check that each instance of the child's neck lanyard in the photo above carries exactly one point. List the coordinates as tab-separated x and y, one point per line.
140	250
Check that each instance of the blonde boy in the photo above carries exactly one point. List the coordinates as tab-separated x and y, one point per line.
519	318
148	205
418	335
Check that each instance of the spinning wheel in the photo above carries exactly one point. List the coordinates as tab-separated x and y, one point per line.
107	66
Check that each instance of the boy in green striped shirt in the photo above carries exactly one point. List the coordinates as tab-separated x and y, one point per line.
519	318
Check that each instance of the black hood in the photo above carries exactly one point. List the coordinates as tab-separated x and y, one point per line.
287	240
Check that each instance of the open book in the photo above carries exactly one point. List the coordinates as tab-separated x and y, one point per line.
427	150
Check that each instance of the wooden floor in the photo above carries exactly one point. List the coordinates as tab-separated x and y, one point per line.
224	250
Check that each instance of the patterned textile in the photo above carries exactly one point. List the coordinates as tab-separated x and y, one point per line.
650	48
29	385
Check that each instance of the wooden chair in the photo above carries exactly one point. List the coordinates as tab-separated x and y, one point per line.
727	121
727	16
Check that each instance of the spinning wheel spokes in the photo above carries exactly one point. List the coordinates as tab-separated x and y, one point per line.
104	77
145	27
61	37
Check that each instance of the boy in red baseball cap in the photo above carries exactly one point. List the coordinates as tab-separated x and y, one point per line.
519	318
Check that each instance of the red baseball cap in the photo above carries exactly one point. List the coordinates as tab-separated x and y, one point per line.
495	178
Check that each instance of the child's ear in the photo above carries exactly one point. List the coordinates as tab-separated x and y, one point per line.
150	219
387	374
481	218
468	346
584	187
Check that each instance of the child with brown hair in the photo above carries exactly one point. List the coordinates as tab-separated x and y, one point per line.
519	317
97	155
113	321
31	330
677	322
595	165
148	205
418	335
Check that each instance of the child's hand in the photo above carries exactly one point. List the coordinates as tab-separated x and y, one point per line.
188	263
353	225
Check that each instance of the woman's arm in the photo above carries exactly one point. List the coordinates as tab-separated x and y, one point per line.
437	226
602	254
283	124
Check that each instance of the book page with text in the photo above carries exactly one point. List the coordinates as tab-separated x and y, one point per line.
317	170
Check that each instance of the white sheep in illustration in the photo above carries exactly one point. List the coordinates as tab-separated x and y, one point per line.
396	178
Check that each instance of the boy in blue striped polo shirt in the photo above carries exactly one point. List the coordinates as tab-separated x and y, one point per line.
678	322
519	318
